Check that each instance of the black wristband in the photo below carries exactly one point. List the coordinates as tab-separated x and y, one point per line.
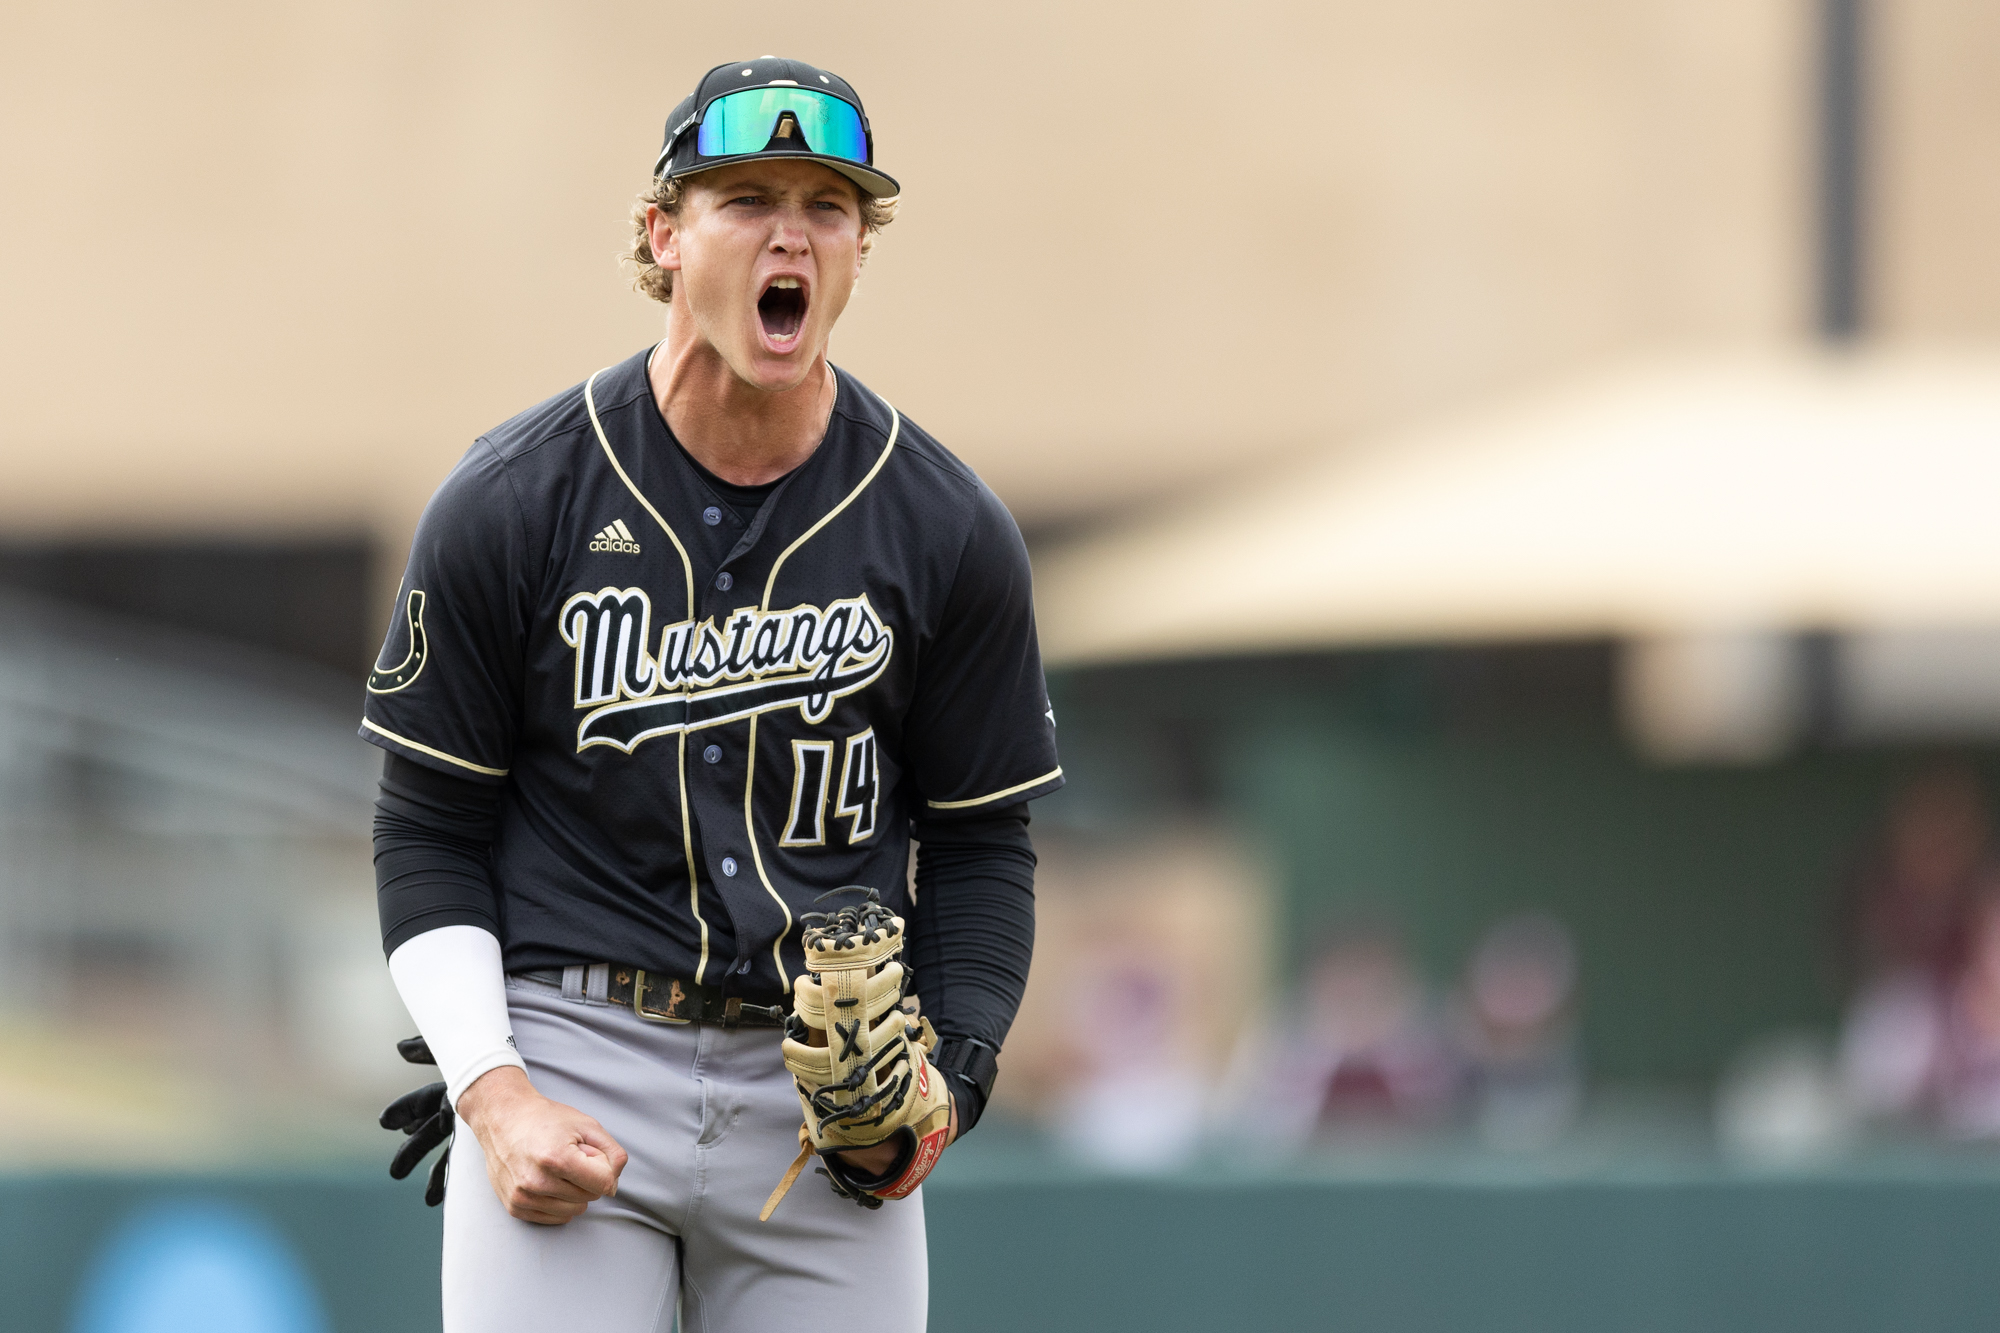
972	1066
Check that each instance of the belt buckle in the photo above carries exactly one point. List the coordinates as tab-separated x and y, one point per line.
675	999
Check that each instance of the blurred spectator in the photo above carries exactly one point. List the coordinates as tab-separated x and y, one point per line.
1924	1048
1922	1038
1517	1033
1891	1047
1969	1095
1936	854
1135	1097
1362	1052
1373	1053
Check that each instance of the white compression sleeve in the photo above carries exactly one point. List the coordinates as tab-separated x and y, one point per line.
452	984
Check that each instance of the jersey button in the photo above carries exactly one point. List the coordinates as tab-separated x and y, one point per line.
725	581
729	866
713	754
711	516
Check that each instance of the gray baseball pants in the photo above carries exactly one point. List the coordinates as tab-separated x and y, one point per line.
711	1122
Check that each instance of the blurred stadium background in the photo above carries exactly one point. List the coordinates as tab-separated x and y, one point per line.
1511	491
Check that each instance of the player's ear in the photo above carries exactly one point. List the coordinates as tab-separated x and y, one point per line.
663	231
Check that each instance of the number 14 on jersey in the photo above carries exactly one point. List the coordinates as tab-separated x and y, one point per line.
812	785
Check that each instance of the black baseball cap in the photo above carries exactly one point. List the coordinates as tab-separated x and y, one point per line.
772	107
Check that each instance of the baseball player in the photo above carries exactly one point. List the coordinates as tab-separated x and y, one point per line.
684	660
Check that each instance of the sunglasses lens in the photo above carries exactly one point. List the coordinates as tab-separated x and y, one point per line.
744	122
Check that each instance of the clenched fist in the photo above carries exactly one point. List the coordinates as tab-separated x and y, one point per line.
546	1161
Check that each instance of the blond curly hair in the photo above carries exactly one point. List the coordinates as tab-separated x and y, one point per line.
666	195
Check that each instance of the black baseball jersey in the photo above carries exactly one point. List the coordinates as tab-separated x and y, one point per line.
701	724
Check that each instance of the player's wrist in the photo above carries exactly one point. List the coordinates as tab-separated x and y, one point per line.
493	1095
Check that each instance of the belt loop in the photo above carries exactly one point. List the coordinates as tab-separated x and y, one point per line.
732	1013
597	989
573	982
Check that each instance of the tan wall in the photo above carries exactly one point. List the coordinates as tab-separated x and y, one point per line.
1935	159
270	267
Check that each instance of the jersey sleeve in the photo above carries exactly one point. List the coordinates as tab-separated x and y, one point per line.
446	689
980	734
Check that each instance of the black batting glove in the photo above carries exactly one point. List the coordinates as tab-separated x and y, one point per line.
427	1119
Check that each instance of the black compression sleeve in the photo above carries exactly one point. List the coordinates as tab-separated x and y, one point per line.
433	837
972	931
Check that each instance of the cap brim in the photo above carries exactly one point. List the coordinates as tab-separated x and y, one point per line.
874	182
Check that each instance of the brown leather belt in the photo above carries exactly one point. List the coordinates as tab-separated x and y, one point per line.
663	999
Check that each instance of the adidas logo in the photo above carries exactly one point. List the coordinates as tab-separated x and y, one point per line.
617	537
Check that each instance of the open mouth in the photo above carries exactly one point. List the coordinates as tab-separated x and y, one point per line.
782	309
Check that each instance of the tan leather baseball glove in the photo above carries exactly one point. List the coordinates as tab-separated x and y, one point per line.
860	1056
